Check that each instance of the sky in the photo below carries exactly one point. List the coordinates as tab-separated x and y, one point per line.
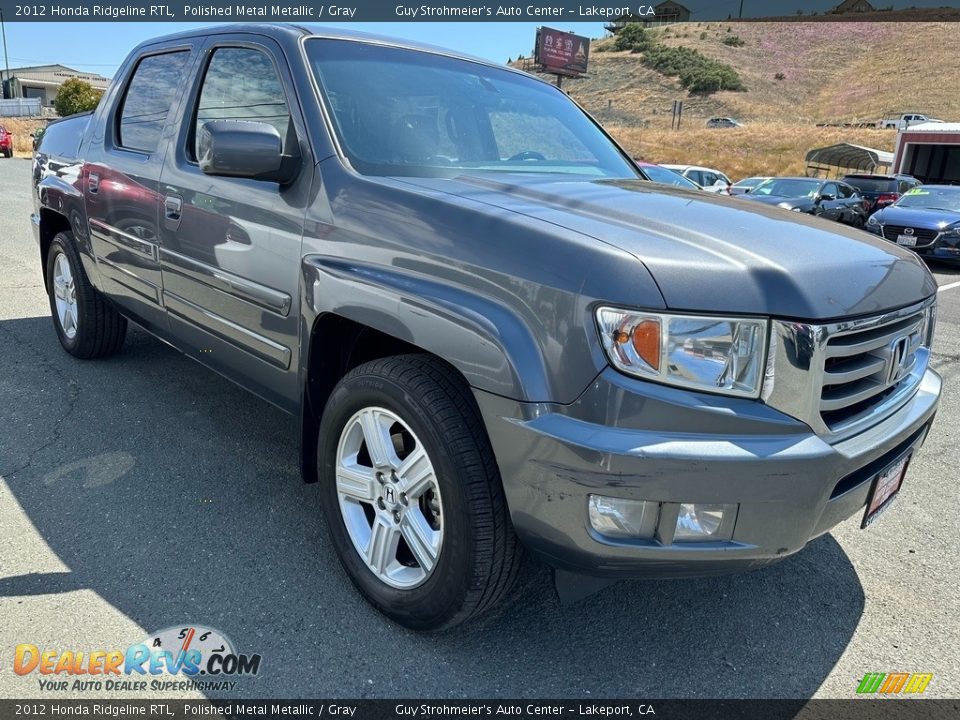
101	47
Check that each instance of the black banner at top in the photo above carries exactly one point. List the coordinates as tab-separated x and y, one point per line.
545	11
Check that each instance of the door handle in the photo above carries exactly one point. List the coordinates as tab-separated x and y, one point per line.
172	205
93	183
172	210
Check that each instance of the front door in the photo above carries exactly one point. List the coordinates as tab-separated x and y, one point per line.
230	247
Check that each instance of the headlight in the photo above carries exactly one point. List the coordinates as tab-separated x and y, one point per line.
872	221
715	354
952	229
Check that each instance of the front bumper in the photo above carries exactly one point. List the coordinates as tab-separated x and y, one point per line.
629	439
943	247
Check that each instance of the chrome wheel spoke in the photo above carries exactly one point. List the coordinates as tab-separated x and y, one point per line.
382	548
420	539
416	473
376	433
59	288
357	482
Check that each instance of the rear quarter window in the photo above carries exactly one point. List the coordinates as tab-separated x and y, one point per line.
148	99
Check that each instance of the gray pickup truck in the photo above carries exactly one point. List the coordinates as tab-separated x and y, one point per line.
496	333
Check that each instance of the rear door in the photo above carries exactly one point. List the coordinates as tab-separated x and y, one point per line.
121	176
230	247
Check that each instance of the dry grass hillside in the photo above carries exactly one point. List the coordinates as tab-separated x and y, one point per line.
832	72
763	148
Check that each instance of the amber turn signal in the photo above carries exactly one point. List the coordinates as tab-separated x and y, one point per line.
646	341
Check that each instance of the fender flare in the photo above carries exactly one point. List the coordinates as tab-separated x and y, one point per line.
490	345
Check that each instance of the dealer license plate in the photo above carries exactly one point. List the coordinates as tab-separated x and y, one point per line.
885	488
907	240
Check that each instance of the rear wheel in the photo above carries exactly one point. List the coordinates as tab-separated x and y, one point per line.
87	325
412	495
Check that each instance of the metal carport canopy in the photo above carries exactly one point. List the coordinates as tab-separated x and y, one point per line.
848	155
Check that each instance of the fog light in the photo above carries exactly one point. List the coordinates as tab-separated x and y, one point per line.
618	517
702	522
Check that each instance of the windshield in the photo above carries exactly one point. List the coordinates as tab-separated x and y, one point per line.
749	182
942	198
666	176
787	187
403	112
872	185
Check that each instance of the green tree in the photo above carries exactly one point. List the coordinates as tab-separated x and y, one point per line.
76	96
633	37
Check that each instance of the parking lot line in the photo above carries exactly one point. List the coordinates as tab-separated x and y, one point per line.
948	286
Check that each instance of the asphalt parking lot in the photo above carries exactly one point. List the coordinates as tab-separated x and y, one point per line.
144	491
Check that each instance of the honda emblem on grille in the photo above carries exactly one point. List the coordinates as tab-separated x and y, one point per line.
897	359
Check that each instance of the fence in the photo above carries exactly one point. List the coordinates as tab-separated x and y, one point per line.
20	107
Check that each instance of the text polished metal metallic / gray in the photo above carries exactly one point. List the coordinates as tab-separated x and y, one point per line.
842	377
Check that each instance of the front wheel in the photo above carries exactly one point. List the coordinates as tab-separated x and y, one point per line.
411	493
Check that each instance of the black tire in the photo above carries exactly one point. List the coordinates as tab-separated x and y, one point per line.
480	557
100	328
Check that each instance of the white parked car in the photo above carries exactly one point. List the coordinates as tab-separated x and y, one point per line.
709	179
723	122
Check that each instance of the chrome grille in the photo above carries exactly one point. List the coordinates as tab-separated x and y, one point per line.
923	236
842	377
861	368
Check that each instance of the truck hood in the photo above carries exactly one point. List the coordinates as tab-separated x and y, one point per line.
712	253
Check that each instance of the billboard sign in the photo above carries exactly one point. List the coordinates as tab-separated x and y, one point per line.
561	52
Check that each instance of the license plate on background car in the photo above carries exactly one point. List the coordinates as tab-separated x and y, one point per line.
907	240
885	488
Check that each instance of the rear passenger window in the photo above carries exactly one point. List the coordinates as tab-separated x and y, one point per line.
149	96
241	84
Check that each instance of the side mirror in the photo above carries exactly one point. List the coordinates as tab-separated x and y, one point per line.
247	149
825	196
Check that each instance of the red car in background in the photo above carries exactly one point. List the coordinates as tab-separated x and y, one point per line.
6	142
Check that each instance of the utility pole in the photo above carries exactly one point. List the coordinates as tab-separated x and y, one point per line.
6	62
741	10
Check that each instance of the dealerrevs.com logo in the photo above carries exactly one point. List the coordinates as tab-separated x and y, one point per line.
188	657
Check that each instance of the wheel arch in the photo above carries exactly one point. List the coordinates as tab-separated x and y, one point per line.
52	223
335	346
353	314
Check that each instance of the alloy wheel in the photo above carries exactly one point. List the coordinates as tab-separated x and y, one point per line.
389	497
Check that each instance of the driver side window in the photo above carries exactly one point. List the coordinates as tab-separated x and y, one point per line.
241	84
830	189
